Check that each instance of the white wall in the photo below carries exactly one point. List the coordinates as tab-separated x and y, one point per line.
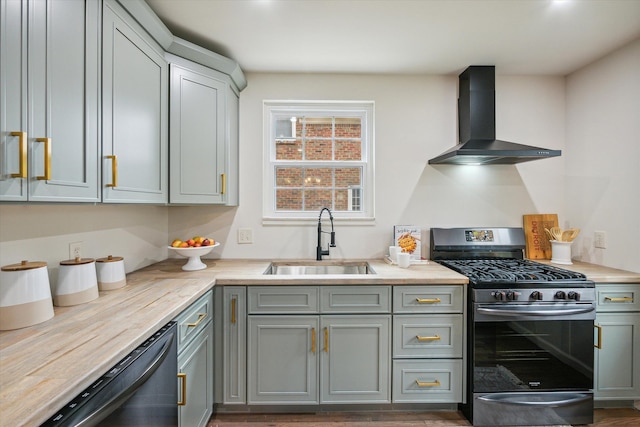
603	157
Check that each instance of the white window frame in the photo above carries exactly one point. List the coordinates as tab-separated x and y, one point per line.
362	109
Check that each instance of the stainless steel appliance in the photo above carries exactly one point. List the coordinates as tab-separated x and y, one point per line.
141	390
530	331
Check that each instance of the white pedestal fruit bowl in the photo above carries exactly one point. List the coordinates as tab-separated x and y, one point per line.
194	254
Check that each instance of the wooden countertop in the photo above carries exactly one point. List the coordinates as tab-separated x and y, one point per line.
44	366
598	273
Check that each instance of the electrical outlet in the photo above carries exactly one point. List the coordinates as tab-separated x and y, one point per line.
600	239
245	235
75	250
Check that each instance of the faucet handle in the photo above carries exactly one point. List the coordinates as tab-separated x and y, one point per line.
333	239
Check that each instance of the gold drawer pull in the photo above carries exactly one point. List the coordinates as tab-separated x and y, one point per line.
201	317
223	177
599	345
621	299
434	338
183	378
428	300
313	340
419	383
22	155
114	171
233	311
47	159
326	340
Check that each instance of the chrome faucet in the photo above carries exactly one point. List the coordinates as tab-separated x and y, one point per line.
319	251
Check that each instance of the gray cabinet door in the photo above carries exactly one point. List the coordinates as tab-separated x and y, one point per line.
234	342
134	112
195	364
617	364
50	94
197	135
283	361
355	359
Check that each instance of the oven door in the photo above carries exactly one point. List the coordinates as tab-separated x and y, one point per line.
532	347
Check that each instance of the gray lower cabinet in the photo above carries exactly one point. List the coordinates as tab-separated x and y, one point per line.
49	93
232	324
617	353
134	112
428	340
195	363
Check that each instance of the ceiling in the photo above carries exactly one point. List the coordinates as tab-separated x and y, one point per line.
549	37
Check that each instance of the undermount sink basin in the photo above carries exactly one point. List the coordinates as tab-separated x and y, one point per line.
318	267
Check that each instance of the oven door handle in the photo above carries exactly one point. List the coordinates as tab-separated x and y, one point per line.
520	399
516	312
115	402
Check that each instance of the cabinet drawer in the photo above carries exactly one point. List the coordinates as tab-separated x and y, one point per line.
194	319
428	336
283	299
614	297
428	299
427	381
355	299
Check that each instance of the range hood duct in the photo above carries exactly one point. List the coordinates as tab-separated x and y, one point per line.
477	126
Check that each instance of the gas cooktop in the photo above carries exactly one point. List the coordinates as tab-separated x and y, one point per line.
512	271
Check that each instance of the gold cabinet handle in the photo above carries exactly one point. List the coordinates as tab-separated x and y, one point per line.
47	159
313	340
621	299
233	310
434	338
435	383
183	378
326	340
223	177
599	345
201	317
114	170
428	300
22	155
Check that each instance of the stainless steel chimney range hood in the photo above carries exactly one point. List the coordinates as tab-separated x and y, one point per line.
477	126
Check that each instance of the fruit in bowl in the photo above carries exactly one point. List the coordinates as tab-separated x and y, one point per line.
193	249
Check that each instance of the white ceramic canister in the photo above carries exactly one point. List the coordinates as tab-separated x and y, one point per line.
111	273
77	282
25	295
561	252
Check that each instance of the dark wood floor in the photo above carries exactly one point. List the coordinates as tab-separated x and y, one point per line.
624	417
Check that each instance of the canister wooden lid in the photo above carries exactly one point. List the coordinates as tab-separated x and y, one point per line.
110	258
24	265
77	261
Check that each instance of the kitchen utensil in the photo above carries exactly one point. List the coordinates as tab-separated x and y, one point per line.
573	235
194	255
556	232
77	282
25	295
111	274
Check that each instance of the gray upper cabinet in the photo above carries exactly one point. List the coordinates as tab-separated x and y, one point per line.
200	125
49	97
134	112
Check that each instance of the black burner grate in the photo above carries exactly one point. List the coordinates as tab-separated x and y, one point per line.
510	271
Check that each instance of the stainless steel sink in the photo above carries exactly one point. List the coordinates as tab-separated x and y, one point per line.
320	267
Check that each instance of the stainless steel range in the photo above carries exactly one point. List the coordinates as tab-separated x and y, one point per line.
530	331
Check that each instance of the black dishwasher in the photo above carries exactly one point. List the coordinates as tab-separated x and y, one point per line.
140	390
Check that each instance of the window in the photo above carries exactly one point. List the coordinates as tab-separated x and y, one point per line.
318	154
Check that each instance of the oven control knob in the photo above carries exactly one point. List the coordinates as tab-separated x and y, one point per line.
512	295
561	295
499	295
574	295
536	295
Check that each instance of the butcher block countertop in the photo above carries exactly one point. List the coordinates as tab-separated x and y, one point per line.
45	365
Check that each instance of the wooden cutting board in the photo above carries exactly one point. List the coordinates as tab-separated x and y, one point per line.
537	241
